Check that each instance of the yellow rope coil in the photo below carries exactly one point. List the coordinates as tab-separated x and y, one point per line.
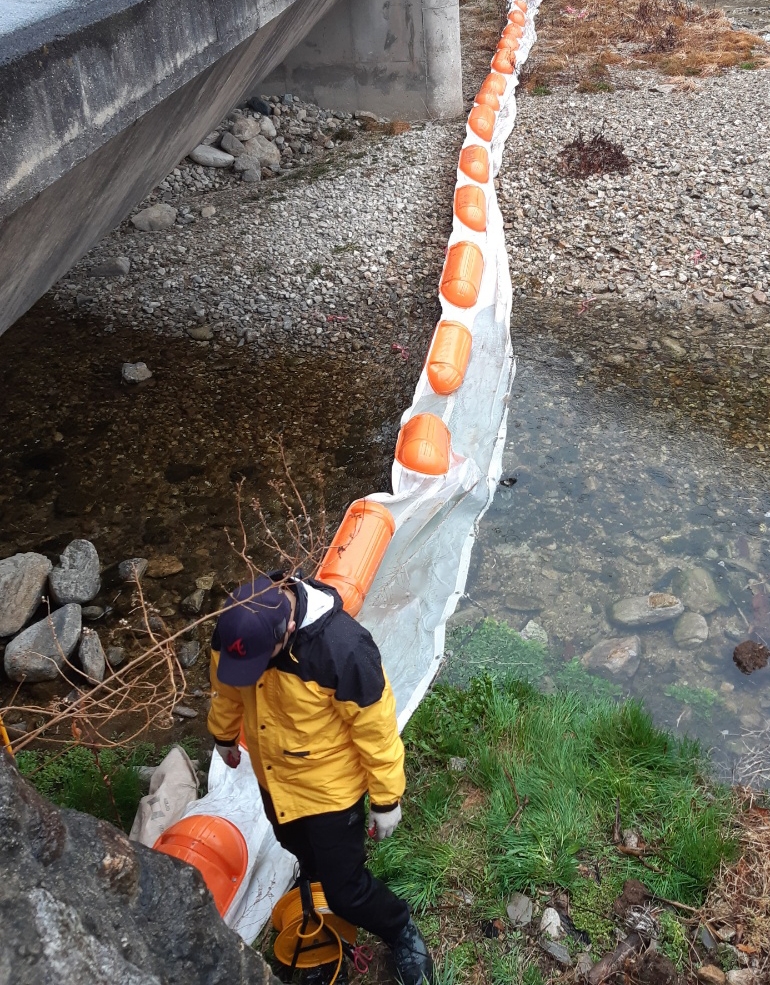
315	947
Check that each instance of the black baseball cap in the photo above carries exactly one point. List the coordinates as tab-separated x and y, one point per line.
256	618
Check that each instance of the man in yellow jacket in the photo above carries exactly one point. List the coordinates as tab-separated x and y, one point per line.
306	682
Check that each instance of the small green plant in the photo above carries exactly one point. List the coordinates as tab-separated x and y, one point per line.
541	90
673	942
591	908
747	66
496	648
344	248
574	677
532	976
315	269
701	699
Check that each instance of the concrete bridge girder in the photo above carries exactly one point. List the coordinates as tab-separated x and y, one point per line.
100	101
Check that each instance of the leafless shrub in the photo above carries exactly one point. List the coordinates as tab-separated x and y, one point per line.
582	158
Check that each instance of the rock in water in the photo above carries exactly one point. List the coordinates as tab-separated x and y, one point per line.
76	577
646	610
618	656
80	903
39	652
135	372
691	630
156	217
697	590
22	582
91	654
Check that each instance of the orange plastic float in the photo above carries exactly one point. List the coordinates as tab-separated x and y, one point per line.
514	31
517	16
474	163
487	99
355	554
215	847
521	4
423	445
481	120
504	61
461	278
448	357
494	83
471	207
319	942
508	44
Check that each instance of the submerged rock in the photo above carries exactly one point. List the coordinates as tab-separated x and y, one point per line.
618	656
76	577
39	652
535	633
697	590
691	630
646	610
22	583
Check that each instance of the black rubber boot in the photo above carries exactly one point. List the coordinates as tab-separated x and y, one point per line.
414	964
322	974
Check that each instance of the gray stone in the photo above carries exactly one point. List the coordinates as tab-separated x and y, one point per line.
210	157
184	712
193	603
92	612
117	267
82	904
550	924
188	654
741	976
519	910
246	163
618	656
135	372
133	569
260	105
208	211
559	952
535	633
697	590
76	577
646	610
267	128
22	583
232	145
155	218
253	175
458	764
691	630
265	152
116	656
200	333
91	654
39	652
245	128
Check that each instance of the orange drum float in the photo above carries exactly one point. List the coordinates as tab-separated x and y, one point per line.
474	163
448	357
355	554
461	278
471	207
481	120
423	445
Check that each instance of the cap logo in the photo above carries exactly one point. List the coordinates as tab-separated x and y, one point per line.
237	648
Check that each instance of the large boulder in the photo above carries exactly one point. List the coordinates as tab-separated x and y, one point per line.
22	582
81	903
39	652
76	577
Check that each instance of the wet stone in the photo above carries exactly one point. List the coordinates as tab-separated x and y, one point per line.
133	569
535	633
135	372
39	652
696	588
619	656
646	610
188	654
22	583
76	577
164	566
92	656
691	630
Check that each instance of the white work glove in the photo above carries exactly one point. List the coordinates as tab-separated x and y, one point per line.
382	824
230	754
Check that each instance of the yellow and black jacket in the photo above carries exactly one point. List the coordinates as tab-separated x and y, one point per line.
320	724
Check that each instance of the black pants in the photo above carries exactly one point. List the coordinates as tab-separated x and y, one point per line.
330	849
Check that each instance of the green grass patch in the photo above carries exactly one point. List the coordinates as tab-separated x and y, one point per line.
541	90
530	806
700	699
73	777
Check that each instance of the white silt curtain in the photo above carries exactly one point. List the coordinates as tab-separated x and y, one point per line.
423	573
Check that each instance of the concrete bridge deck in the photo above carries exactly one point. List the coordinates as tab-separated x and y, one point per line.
99	99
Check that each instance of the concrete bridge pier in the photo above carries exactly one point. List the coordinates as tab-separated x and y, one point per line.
396	58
